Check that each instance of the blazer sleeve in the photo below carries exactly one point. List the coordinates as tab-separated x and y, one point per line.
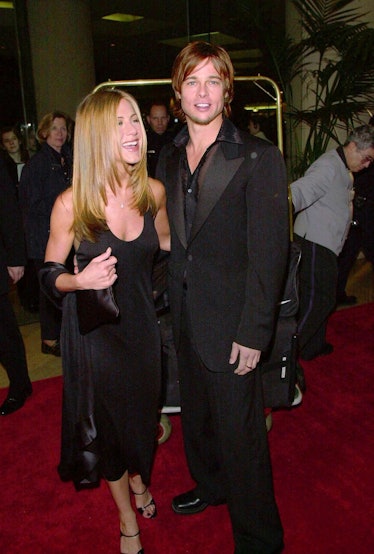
268	243
314	184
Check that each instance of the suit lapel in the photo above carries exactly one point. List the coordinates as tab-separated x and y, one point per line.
214	176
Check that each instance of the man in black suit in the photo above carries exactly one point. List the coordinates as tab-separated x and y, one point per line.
12	262
158	133
227	205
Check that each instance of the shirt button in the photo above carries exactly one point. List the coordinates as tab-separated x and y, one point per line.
189	191
189	257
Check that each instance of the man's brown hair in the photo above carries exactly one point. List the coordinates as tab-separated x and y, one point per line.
189	58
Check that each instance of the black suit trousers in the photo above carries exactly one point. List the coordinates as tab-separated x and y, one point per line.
226	446
12	350
317	290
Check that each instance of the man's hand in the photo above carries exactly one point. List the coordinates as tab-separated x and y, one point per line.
248	358
16	273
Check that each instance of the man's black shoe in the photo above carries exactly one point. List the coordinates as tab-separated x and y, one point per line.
345	300
188	503
11	405
245	549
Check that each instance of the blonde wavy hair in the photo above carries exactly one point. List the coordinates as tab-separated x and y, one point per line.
96	162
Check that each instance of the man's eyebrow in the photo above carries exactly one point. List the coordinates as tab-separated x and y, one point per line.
192	76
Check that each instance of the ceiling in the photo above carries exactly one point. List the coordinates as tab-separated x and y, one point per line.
146	47
150	44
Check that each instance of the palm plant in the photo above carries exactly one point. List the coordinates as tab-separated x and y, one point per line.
334	62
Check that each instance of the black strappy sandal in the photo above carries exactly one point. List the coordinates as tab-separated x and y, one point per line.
143	510
141	551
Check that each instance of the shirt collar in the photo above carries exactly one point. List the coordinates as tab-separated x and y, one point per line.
227	133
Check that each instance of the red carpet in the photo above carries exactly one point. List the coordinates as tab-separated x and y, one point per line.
322	455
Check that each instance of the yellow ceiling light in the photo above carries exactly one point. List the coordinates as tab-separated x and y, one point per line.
219	38
122	17
6	5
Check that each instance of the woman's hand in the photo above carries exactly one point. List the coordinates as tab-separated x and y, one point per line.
100	273
16	273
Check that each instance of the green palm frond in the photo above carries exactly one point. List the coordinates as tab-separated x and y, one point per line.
334	59
340	74
316	15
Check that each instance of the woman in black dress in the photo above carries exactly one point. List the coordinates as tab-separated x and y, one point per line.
115	216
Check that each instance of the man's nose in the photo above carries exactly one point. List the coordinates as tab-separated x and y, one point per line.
203	90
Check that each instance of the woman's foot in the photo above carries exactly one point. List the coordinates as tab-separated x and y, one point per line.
130	544
145	504
51	347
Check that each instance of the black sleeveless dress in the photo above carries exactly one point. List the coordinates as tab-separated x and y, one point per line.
112	374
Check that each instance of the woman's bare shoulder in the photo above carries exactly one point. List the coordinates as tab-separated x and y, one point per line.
158	190
63	212
65	200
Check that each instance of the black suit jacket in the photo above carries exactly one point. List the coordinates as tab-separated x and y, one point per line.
12	245
234	263
42	180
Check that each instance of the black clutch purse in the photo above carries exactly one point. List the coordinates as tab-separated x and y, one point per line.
94	308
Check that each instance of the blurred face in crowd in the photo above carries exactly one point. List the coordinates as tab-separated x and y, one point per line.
58	134
253	127
158	119
32	143
11	142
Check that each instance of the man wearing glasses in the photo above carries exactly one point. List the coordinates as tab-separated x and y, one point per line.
322	200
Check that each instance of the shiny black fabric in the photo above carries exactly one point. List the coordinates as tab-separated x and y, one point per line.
47	279
79	457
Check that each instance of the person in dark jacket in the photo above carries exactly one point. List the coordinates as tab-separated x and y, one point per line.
228	212
361	232
15	154
158	133
12	262
45	176
15	157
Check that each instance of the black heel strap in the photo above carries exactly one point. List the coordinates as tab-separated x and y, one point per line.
129	536
140	493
